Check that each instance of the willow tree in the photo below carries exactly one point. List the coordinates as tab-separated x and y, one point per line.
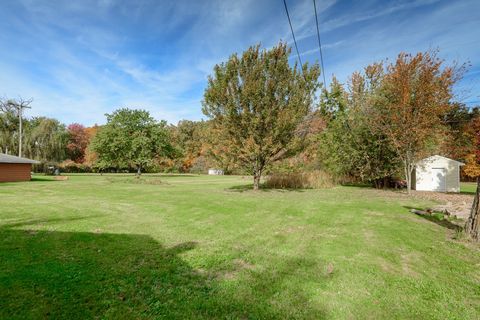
257	101
45	139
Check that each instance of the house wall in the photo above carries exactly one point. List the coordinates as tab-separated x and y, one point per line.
11	172
424	174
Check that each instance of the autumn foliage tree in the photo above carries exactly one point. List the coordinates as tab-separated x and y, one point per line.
472	227
472	166
91	156
416	93
78	140
257	100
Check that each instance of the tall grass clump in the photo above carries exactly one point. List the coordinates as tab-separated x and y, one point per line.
300	180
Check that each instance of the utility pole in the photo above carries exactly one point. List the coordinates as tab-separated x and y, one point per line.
21	106
18	106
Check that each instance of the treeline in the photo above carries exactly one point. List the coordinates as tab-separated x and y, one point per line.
266	116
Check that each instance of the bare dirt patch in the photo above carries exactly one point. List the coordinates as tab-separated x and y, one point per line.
239	265
455	204
458	205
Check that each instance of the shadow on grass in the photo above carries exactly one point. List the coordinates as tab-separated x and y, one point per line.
263	188
79	275
437	219
358	185
42	179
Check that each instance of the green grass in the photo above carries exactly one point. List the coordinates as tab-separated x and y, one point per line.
179	247
468	187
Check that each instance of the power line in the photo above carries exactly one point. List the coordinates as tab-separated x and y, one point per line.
319	44
293	35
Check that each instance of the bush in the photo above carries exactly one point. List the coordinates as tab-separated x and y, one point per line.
305	180
68	166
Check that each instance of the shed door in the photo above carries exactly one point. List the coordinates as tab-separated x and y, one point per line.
439	177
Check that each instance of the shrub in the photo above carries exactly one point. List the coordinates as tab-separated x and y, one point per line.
68	166
300	180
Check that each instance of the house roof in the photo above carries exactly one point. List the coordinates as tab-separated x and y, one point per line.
6	158
437	156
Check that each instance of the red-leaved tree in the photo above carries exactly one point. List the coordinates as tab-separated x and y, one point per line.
77	142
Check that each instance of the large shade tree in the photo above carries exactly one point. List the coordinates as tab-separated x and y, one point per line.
257	101
131	138
415	96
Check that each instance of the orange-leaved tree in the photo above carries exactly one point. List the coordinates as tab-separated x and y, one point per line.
472	227
415	94
472	167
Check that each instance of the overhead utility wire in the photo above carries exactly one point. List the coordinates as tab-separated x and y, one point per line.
293	35
319	44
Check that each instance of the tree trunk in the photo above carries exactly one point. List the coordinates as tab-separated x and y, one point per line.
472	227
408	176
139	170
256	179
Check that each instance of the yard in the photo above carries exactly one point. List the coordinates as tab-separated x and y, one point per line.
468	187
187	246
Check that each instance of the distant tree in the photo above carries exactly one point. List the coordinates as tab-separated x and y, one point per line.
9	128
415	96
131	138
77	142
188	140
472	226
459	139
256	102
219	152
17	106
45	139
90	155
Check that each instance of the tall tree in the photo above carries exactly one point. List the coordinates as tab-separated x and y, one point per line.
460	124
8	130
415	96
131	138
77	142
45	139
90	155
257	101
472	167
472	227
349	147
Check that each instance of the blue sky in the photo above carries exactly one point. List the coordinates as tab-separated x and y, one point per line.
81	59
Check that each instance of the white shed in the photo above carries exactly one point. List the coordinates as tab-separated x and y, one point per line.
437	173
215	172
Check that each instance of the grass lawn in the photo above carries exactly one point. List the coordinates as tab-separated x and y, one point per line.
207	247
468	187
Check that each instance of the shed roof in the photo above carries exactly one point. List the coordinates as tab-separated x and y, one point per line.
6	158
431	158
